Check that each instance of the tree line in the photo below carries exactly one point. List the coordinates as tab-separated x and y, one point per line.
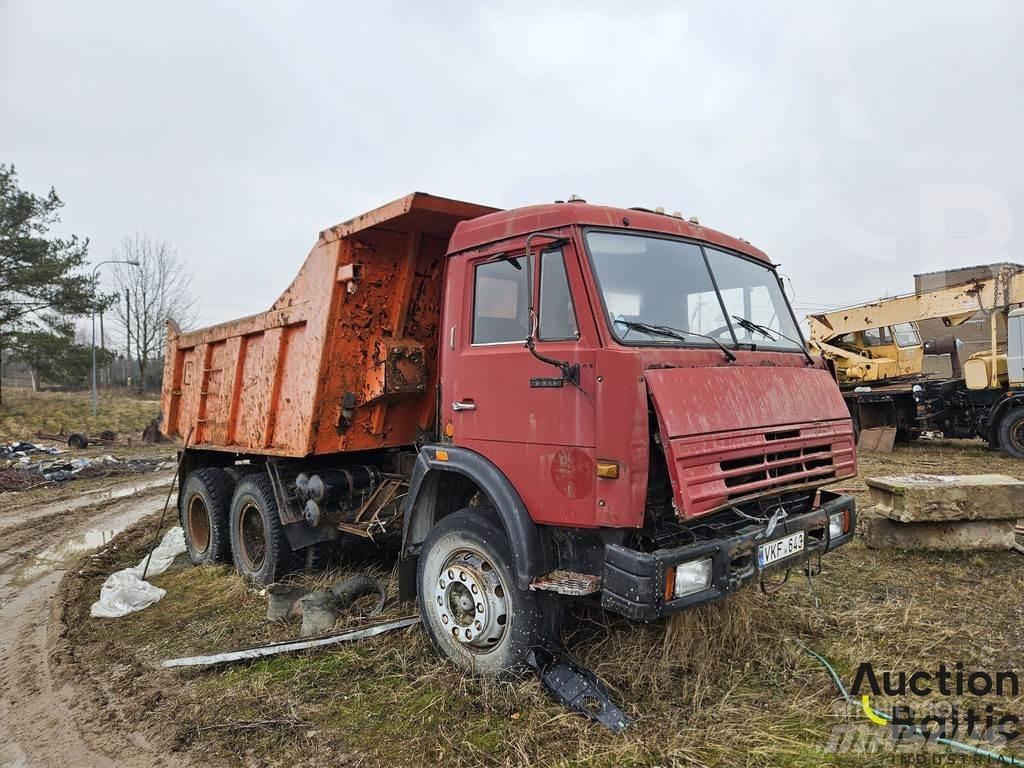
49	285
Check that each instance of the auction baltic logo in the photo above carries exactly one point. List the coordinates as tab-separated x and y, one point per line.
948	722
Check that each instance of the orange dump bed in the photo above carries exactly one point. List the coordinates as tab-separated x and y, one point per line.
345	360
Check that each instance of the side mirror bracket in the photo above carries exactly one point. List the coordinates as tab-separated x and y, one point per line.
570	371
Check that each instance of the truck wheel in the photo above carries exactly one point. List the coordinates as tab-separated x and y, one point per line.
203	510
473	613
1011	433
258	544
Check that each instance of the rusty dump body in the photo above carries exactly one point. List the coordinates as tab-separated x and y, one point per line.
620	395
360	321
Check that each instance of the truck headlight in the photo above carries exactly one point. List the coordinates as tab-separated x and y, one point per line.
838	524
692	577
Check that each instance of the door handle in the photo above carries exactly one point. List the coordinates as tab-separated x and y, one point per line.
463	405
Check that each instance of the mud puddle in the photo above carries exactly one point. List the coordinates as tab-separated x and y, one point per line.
58	555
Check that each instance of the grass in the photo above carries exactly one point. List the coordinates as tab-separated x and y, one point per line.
24	412
726	684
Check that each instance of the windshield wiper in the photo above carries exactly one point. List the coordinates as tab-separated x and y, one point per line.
771	333
673	333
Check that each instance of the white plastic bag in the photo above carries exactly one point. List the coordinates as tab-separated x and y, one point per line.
125	592
172	545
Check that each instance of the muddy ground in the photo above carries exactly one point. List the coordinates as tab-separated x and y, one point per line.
728	684
46	715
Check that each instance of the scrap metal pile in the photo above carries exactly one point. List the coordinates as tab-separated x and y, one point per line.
23	466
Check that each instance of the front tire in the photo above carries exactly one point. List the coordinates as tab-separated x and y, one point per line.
258	545
470	606
1011	433
203	509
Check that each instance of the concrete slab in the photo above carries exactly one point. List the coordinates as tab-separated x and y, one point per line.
935	498
882	533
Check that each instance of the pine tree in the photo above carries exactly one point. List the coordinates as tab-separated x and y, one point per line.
42	285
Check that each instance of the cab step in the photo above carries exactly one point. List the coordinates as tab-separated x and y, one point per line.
568	583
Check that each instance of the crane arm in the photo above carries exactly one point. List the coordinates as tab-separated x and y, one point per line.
955	304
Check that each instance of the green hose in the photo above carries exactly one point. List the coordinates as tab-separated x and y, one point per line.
995	756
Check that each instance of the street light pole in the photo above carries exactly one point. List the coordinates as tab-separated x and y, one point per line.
95	270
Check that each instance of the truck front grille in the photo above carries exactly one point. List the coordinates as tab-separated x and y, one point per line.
712	471
814	460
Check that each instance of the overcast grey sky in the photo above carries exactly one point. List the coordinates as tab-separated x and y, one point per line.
857	143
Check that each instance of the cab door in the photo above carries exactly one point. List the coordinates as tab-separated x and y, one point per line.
505	403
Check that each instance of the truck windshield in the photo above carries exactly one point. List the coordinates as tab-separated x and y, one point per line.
663	282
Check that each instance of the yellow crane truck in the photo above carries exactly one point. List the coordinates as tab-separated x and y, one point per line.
878	356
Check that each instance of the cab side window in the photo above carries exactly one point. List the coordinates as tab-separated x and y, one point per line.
557	317
877	337
499	302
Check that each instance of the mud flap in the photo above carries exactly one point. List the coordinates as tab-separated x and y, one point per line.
577	688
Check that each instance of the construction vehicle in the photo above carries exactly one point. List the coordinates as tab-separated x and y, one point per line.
563	401
878	355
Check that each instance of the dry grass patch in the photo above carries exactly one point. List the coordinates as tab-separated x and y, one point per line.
24	412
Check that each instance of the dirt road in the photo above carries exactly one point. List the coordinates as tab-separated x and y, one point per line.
44	720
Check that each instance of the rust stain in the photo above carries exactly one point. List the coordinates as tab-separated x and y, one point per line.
573	473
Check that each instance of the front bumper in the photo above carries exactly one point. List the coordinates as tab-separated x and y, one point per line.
634	581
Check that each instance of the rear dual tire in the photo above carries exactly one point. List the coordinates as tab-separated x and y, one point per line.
231	515
203	510
258	544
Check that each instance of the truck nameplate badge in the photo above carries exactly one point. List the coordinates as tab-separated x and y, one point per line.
543	382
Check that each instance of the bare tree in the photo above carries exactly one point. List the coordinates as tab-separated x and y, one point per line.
160	288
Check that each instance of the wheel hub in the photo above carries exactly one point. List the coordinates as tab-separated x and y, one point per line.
1017	435
469	599
253	538
198	524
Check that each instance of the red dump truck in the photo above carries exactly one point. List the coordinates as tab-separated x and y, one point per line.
563	401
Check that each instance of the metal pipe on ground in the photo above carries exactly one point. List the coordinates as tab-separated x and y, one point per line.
290	646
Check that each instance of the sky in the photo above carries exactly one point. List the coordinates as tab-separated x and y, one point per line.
857	143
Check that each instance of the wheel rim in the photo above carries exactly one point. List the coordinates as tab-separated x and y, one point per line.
253	537
469	601
1017	435
198	524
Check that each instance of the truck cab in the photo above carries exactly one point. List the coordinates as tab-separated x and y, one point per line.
639	384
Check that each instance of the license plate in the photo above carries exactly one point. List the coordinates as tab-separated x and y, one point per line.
773	551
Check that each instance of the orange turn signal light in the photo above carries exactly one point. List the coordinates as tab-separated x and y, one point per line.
608	469
670	583
441	455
